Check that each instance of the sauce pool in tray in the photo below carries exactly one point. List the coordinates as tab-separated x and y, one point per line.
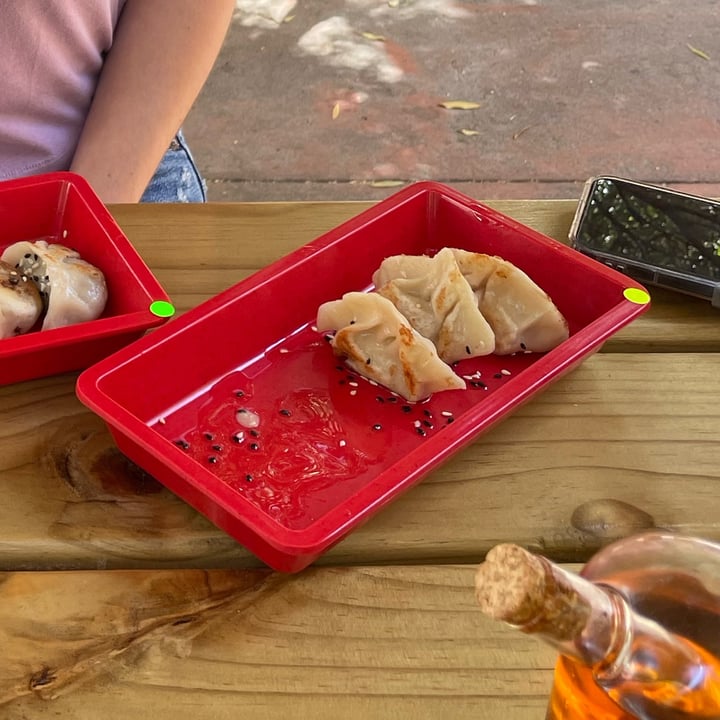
296	432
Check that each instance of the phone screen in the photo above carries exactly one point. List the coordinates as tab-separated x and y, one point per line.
653	226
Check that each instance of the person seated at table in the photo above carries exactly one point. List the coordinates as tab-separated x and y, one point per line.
101	88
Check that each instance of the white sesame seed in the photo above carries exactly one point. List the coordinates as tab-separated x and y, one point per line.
417	423
353	392
352	383
446	413
313	328
64	233
161	420
342	443
284	350
505	372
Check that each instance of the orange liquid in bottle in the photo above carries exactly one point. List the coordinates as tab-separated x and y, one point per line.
576	696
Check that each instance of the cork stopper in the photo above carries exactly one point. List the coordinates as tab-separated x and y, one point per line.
529	592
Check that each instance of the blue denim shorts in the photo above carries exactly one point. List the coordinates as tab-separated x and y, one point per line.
177	178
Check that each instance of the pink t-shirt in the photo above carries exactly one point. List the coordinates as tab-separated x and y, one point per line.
51	53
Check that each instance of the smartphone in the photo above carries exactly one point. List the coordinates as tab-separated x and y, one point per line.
658	236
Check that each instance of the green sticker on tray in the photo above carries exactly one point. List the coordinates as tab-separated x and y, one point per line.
636	295
162	308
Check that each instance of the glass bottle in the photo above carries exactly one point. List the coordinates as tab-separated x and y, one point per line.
638	630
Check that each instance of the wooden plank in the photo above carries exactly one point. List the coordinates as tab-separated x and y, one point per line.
198	250
636	428
405	642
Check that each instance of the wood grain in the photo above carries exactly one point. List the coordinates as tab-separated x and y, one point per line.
636	428
405	642
58	630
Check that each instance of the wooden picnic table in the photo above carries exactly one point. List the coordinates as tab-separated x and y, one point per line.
117	600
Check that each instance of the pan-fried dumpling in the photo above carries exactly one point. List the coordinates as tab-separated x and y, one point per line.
438	302
521	314
377	342
401	266
20	303
72	289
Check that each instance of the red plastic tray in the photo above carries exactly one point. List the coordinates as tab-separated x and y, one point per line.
62	207
330	449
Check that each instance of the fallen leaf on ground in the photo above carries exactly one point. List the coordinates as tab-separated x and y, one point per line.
459	105
698	52
386	183
465	131
520	132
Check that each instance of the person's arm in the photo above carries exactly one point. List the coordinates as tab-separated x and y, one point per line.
161	56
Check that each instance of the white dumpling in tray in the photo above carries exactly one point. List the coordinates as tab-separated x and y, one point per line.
401	266
376	341
72	289
438	302
521	314
20	303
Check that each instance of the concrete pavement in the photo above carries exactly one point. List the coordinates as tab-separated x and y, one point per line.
342	99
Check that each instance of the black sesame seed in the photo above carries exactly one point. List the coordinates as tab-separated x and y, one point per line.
380	399
352	322
238	437
217	448
183	444
450	419
254	446
212	459
420	431
406	409
328	338
468	350
523	346
427	413
427	423
249	477
27	255
497	376
239	393
368	361
392	399
208	436
478	384
255	433
285	412
377	426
